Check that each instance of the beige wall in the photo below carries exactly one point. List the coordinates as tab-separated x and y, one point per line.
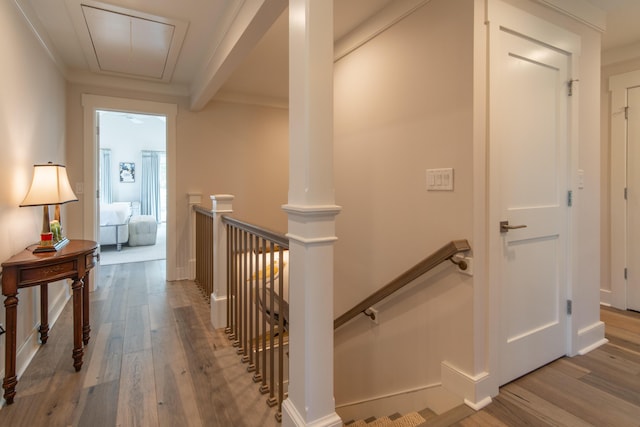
403	103
32	130
225	148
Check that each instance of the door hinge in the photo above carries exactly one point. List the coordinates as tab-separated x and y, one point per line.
569	307
626	113
570	85
625	273
626	193
97	194
570	198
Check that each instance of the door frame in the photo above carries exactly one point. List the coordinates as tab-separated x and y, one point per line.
618	86
503	15
92	103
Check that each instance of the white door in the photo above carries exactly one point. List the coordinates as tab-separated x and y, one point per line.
528	184
633	198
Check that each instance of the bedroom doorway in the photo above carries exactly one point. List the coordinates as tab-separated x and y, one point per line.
132	186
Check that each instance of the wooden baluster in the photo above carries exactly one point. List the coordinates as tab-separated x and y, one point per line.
229	275
271	401
281	332
264	388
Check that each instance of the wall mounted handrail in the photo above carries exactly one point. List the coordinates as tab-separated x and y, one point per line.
447	252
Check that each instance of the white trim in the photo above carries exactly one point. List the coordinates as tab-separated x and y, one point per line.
504	16
581	11
27	351
605	297
40	33
218	311
520	22
618	86
291	417
91	103
590	338
476	390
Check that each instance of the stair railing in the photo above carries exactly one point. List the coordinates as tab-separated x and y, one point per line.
204	250
257	303
447	252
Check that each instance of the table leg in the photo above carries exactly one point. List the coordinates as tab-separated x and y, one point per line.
78	351
44	313
86	327
10	379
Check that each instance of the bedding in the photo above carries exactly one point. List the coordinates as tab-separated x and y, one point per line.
114	223
115	213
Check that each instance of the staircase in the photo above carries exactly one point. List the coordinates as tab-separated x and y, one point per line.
424	418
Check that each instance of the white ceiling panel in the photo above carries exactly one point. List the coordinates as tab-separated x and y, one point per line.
126	42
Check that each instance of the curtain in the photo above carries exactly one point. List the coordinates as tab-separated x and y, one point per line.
150	185
105	175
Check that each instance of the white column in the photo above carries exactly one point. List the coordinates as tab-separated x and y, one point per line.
311	209
194	200
221	204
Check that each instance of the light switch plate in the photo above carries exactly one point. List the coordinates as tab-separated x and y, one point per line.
440	179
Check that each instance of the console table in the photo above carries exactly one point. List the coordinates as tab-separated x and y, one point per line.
27	269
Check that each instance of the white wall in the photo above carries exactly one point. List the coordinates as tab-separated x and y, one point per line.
32	130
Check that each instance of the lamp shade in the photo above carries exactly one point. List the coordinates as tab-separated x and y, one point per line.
50	186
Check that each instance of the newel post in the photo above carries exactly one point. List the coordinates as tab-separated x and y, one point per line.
221	205
194	199
311	211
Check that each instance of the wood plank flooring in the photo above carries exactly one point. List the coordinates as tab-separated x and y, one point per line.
601	388
153	360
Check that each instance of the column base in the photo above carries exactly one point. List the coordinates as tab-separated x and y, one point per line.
218	311
291	417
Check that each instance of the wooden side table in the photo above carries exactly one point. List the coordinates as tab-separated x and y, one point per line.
27	269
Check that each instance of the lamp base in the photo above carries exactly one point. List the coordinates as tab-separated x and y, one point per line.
54	248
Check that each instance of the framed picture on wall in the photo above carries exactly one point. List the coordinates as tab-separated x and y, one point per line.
127	172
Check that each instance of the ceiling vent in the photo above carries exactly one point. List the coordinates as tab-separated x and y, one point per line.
125	42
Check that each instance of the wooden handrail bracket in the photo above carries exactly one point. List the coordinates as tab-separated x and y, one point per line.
444	253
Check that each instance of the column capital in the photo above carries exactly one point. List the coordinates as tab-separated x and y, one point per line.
222	203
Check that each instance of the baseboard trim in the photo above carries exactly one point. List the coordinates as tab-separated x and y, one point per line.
291	417
218	311
433	396
476	391
192	269
605	297
590	338
28	349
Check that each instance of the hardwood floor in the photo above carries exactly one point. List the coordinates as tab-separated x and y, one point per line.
153	360
601	388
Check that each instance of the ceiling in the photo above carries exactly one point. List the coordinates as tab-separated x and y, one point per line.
201	49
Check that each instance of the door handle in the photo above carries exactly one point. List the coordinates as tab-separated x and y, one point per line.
505	227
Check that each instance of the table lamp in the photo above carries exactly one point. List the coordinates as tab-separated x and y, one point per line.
50	186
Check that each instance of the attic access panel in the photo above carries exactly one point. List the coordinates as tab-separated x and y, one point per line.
121	41
127	44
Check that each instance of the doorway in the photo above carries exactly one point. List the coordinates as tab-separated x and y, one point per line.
132	186
91	105
625	192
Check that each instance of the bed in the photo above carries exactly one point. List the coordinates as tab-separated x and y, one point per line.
114	223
